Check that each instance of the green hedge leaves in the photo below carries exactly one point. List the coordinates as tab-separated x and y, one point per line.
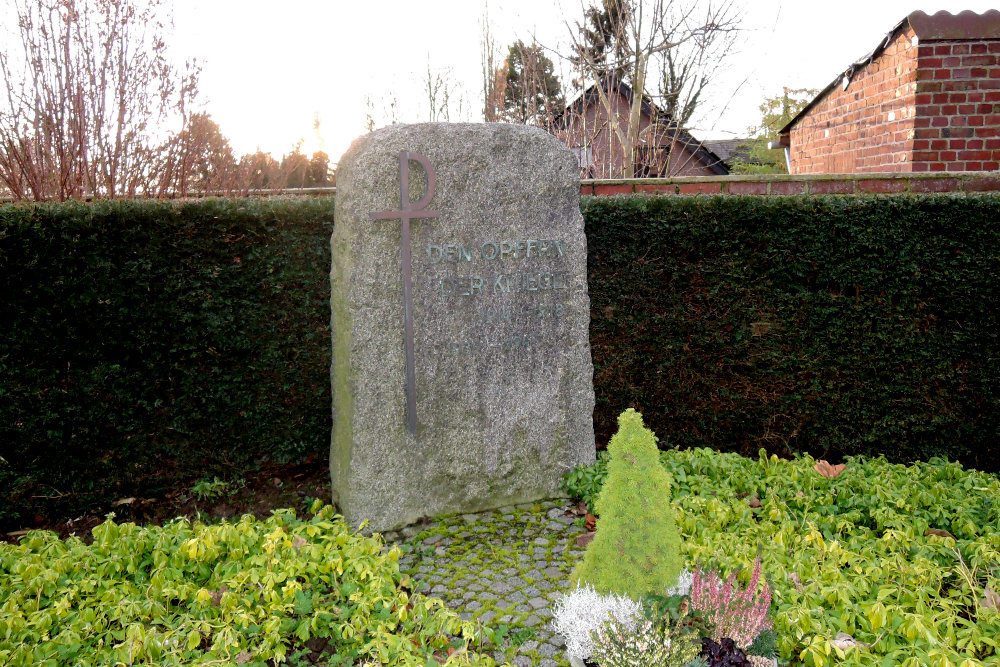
143	341
832	325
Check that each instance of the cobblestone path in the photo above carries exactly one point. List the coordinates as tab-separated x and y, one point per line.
505	569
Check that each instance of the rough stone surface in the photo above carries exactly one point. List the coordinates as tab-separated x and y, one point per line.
500	310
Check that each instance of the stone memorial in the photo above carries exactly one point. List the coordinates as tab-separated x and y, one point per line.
462	377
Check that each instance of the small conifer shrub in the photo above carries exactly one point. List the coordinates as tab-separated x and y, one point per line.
635	551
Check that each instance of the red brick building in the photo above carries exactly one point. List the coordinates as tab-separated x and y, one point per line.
927	99
663	148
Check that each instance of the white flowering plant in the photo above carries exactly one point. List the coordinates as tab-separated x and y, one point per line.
581	613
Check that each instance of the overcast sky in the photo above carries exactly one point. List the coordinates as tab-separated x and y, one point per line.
270	67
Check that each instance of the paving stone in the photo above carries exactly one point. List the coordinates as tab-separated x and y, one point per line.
517	596
532	621
529	645
545	611
502	587
548	650
522	661
487	616
538	602
547	662
475	605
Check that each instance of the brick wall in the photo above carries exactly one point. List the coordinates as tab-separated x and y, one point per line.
838	184
957	125
870	126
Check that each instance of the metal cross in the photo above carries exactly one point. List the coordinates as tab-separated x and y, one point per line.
407	211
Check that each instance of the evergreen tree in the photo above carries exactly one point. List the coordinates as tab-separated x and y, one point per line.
532	93
636	550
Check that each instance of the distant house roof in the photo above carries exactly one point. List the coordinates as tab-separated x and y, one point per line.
937	27
609	83
732	150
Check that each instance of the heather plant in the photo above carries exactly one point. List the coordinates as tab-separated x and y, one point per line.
740	615
648	644
635	551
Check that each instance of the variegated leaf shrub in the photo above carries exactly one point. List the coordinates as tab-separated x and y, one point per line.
249	592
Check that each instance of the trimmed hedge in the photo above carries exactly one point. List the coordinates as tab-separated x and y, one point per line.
146	342
831	325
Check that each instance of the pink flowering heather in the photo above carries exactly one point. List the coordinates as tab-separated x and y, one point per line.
738	614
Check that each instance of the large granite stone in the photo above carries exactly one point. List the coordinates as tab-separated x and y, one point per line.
502	379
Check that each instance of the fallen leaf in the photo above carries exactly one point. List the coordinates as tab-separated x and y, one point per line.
243	657
844	641
938	532
591	522
18	533
991	599
299	543
584	540
581	508
754	502
123	501
828	470
795	580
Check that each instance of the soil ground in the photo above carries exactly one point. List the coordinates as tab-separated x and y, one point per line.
273	486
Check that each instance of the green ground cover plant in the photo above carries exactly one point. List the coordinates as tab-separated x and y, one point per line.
875	564
251	592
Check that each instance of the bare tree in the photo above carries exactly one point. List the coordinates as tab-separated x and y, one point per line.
494	74
87	89
617	47
441	89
